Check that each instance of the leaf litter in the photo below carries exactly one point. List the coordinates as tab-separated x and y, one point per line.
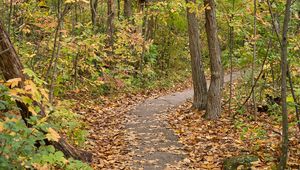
208	143
106	117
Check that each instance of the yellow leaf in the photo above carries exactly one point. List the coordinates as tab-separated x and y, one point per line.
52	135
209	158
13	92
11	119
69	1
85	1
14	82
1	126
31	109
44	93
40	167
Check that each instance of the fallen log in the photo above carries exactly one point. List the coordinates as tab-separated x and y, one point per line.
11	67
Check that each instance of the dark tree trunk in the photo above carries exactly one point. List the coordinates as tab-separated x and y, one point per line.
199	81
11	67
127	8
213	109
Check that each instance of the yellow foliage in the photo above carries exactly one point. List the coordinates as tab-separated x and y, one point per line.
13	82
52	135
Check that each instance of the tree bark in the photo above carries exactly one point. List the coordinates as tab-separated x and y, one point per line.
198	76
118	8
294	96
110	24
231	48
253	62
60	18
56	51
10	16
11	67
284	71
127	8
93	5
213	109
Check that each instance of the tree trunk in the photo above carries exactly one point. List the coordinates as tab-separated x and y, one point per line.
10	16
284	71
11	67
150	27
144	32
294	96
56	51
93	5
253	62
231	46
110	24
127	8
199	81
213	109
118	9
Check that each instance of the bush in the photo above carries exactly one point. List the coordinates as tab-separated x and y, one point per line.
23	147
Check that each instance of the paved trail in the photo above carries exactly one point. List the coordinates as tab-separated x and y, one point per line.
157	147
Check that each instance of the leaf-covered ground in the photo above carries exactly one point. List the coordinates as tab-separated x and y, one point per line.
106	118
208	143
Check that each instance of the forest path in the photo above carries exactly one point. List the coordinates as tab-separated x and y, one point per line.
156	146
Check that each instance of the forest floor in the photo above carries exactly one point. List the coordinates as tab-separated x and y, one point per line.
106	119
159	130
155	145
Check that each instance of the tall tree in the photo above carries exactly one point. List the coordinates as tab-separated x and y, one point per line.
118	8
254	59
198	76
110	23
93	6
10	15
213	109
127	8
56	50
284	71
231	48
283	42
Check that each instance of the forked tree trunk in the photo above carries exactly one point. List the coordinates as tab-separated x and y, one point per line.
199	81
213	109
11	67
93	6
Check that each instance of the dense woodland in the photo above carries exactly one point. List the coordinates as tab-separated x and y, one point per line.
72	71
